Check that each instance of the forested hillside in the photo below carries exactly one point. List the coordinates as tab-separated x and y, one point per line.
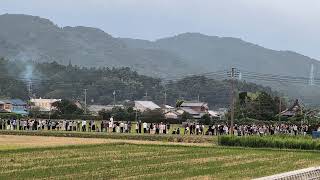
24	37
53	80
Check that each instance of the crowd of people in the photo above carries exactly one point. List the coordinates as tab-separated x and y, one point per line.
112	126
85	126
244	130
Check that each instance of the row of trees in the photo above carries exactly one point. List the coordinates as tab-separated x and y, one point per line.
53	80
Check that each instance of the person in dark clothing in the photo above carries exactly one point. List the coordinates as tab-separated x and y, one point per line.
140	127
102	126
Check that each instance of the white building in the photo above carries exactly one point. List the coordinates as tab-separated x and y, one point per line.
145	105
44	105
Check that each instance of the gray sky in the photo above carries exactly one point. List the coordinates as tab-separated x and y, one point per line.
276	24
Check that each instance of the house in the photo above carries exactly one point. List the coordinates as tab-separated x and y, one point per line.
5	106
293	110
167	108
94	109
172	115
19	107
44	105
196	109
219	114
14	106
145	105
196	106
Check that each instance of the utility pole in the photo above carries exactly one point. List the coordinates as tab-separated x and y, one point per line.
136	115
280	104
232	100
198	98
85	101
165	97
114	98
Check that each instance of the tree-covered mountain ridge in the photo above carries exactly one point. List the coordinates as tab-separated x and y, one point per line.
24	37
38	39
53	80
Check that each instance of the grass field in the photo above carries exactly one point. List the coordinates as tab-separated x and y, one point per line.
140	160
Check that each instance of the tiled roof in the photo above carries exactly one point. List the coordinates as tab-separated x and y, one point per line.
193	104
148	104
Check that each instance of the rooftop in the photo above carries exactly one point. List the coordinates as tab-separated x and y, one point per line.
193	104
148	104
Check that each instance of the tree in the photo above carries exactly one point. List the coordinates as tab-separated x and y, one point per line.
186	116
259	105
152	116
105	114
119	114
34	112
205	119
66	107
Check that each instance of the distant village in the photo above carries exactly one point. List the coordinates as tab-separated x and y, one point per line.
196	109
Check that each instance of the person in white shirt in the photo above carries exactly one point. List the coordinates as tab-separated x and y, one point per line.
197	129
145	127
84	125
111	125
121	127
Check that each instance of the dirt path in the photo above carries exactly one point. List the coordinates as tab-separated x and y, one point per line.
14	142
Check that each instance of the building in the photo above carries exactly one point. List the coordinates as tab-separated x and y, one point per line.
196	109
14	106
145	105
193	113
196	106
44	105
293	110
19	107
217	114
94	109
171	115
5	106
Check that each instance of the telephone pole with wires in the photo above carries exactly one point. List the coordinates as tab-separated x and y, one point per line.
85	101
233	74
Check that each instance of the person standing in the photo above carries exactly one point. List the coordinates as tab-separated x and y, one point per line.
140	127
84	124
111	125
137	127
145	127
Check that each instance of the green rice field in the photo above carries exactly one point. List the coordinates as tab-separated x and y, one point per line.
146	161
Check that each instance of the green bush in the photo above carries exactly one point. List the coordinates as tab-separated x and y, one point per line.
281	141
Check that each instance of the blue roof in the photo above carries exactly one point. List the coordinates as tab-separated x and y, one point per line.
21	112
15	102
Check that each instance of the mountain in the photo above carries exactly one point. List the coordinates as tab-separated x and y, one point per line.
257	64
24	37
214	53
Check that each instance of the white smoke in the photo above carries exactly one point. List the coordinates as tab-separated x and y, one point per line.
28	76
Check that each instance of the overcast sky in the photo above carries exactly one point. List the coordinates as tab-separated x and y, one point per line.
276	24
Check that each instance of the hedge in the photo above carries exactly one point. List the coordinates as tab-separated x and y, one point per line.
282	142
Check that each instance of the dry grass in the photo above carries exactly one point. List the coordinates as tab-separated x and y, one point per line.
14	142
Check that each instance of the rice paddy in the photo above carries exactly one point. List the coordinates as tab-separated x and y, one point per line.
120	159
